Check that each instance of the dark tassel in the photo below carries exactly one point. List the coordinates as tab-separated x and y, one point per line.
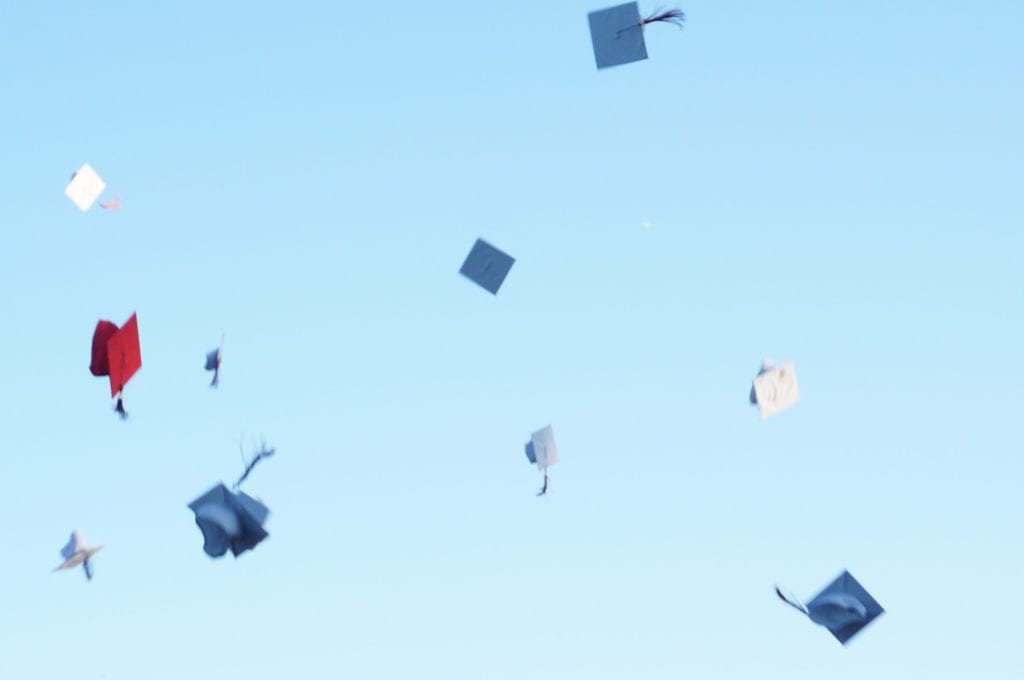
671	16
264	452
216	375
120	408
544	489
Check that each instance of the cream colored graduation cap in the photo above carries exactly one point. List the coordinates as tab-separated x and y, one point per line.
85	187
775	388
76	552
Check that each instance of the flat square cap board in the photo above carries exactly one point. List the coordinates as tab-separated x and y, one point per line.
542	443
776	390
844	594
85	187
229	521
617	34
486	266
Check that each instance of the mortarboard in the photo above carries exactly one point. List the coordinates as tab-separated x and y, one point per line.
844	607
541	450
76	552
486	266
213	362
116	353
617	33
85	187
229	520
775	388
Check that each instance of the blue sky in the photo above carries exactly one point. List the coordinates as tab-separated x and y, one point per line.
833	183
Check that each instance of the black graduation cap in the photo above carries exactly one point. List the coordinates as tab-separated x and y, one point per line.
844	607
617	33
213	362
487	266
229	520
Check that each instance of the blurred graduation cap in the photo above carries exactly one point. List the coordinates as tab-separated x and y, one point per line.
116	353
85	187
844	607
774	389
486	266
229	520
213	362
76	552
617	33
542	451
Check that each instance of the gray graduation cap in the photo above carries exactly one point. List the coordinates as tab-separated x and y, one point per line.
844	607
486	266
76	552
617	33
541	451
229	520
213	362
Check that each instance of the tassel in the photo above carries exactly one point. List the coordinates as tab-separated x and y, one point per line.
672	16
544	489
264	452
216	375
120	407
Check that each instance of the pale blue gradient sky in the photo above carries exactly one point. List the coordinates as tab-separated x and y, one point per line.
834	183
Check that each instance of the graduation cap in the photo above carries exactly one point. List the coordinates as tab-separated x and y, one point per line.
617	33
229	520
844	607
116	353
774	389
85	187
213	362
76	552
486	266
541	450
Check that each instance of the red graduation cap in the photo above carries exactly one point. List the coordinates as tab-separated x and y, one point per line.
116	353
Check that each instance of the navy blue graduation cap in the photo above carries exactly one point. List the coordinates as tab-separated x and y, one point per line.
213	362
229	520
844	607
486	266
617	33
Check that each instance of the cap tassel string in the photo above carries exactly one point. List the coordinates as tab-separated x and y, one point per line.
671	16
264	452
120	406
544	489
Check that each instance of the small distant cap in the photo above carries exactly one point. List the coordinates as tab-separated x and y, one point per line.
618	35
213	360
229	521
85	187
844	607
486	266
542	444
775	389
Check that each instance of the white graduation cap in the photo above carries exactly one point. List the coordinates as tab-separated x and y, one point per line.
76	552
775	388
85	187
541	450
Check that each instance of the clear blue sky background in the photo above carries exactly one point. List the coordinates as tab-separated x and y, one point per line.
834	183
